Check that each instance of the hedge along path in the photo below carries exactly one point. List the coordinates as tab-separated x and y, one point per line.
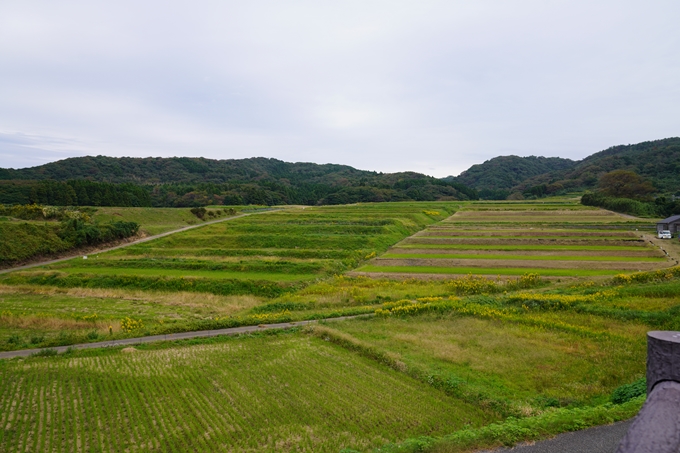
135	242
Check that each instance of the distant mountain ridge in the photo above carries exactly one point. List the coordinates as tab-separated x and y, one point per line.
506	172
196	181
155	170
658	161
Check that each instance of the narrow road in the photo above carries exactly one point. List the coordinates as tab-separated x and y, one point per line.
138	241
600	439
172	336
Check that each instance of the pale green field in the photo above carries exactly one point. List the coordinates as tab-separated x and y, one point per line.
281	393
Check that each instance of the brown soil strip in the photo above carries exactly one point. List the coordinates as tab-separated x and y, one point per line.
499	214
642	253
521	241
482	263
523	233
408	276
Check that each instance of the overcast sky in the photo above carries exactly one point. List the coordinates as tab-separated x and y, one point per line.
428	86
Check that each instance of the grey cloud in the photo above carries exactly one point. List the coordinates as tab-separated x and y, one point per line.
427	86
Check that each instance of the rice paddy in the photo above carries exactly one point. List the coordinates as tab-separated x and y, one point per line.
552	240
285	392
259	257
486	341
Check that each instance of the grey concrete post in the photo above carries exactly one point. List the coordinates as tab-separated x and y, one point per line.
656	429
663	357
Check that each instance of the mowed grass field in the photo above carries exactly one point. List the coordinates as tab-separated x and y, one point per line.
206	277
550	239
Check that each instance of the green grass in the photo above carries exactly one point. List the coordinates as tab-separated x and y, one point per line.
343	236
479	256
152	220
285	392
513	364
21	241
274	277
489	271
440	360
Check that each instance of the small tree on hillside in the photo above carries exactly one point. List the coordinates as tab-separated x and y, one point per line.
625	184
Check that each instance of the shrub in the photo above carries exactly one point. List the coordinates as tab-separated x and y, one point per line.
130	325
627	392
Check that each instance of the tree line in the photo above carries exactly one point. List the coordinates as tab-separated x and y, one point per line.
82	192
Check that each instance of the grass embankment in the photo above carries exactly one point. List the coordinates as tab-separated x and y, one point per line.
161	220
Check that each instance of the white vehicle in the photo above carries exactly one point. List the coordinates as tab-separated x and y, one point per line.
665	234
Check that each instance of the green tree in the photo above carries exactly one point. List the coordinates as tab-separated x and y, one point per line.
625	184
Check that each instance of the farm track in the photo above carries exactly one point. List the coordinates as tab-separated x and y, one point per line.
135	242
173	337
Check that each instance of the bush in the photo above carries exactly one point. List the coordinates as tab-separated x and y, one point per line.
624	205
627	392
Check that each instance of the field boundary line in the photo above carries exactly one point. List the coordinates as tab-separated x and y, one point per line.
135	242
174	336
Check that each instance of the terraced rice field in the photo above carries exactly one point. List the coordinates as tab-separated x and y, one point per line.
285	392
557	240
290	245
237	265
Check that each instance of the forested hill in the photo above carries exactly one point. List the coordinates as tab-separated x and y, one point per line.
183	181
657	161
500	174
154	170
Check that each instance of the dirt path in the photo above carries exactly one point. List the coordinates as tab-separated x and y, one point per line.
173	336
670	247
127	244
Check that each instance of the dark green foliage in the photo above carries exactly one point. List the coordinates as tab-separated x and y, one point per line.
199	212
78	233
276	307
196	182
74	192
506	172
657	161
627	392
37	339
254	265
223	287
23	241
624	205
